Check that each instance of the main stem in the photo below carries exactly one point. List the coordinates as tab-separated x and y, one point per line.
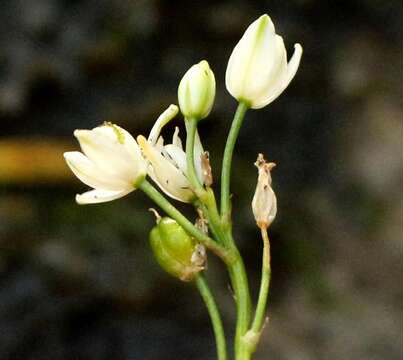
237	275
237	271
214	316
227	159
220	225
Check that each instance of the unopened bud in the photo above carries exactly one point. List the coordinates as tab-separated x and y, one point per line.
176	251
264	203
257	71
196	91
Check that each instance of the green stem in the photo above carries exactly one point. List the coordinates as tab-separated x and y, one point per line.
251	338
215	231
227	159
240	286
259	319
236	271
209	207
211	305
165	205
191	127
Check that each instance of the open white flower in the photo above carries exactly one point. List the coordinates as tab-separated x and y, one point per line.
257	70
168	162
111	163
264	203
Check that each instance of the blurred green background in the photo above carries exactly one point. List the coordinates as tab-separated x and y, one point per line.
80	282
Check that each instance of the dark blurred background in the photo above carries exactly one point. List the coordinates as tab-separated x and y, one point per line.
80	282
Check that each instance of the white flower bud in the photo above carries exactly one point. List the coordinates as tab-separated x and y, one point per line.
264	203
111	163
257	70
196	91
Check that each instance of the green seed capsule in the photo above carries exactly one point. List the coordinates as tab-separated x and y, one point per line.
176	252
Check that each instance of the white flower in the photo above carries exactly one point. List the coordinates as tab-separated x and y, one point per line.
264	203
111	163
168	162
257	70
196	91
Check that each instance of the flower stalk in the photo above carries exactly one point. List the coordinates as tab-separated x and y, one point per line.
259	319
215	316
227	160
191	128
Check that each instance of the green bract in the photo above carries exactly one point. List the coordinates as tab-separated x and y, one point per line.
174	249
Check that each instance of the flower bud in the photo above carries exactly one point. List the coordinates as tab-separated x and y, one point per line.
264	203
175	250
196	91
257	71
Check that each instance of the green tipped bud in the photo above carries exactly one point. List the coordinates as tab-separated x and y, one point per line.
176	252
196	91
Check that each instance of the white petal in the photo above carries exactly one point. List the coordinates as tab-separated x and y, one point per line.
176	140
128	146
101	145
162	120
139	165
265	66
169	178
197	155
198	152
159	144
268	79
178	157
292	68
250	55
90	174
293	64
99	196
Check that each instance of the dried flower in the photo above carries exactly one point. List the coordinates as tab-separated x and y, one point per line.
264	203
